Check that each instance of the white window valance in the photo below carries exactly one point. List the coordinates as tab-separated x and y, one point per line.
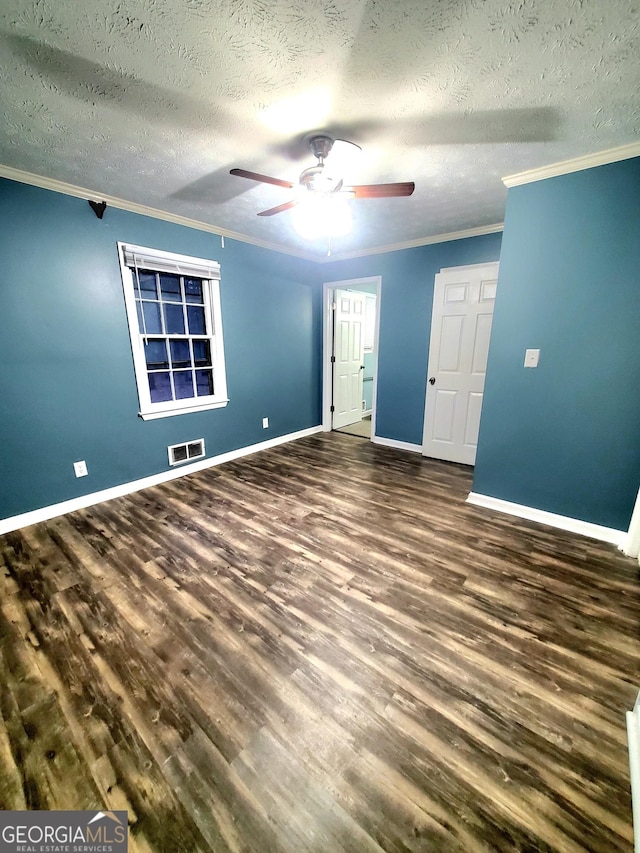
139	257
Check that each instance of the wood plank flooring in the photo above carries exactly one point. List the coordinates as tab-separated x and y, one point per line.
320	647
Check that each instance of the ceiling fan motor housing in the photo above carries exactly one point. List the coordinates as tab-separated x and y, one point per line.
321	146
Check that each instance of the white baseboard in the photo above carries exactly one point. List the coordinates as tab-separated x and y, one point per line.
399	445
45	513
573	525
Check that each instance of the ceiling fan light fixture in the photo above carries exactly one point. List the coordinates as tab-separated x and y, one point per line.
321	202
318	180
322	215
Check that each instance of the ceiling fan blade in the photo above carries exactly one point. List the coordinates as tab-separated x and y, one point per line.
279	209
265	179
381	190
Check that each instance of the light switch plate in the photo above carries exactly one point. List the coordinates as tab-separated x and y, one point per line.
531	357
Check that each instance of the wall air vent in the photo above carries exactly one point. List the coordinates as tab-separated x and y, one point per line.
187	452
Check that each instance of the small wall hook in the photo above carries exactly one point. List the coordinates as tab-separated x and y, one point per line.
98	207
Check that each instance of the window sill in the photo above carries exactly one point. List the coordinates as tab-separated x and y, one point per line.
184	410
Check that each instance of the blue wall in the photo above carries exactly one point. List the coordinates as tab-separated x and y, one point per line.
67	382
565	437
405	323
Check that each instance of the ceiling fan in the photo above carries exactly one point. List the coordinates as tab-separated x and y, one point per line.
324	178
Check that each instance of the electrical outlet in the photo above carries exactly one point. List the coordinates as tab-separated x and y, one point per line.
265	423
80	468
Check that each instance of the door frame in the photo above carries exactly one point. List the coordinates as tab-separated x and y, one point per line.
328	289
631	544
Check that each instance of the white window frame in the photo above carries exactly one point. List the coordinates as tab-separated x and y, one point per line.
209	271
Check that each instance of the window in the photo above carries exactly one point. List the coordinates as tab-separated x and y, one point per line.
175	324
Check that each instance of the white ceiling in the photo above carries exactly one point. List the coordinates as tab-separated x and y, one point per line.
153	101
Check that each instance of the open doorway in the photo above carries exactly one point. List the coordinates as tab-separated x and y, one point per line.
350	358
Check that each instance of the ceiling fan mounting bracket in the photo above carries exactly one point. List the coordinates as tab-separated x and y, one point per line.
320	146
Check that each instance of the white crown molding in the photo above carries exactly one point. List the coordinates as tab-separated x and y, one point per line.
415	244
541	516
133	207
54	510
577	164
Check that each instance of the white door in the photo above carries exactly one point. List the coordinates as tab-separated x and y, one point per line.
348	367
463	302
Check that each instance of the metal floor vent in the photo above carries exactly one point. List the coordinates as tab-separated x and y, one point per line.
186	452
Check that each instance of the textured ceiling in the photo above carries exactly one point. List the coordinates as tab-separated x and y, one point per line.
153	101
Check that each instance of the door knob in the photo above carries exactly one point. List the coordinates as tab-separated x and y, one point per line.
432	380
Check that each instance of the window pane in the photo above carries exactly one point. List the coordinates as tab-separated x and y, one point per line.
152	324
196	320
160	387
180	355
201	353
204	382
193	289
174	319
183	382
171	304
155	353
170	287
147	281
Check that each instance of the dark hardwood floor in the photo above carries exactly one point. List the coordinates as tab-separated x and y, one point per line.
320	647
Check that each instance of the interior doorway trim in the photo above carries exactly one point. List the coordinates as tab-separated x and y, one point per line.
328	289
631	543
